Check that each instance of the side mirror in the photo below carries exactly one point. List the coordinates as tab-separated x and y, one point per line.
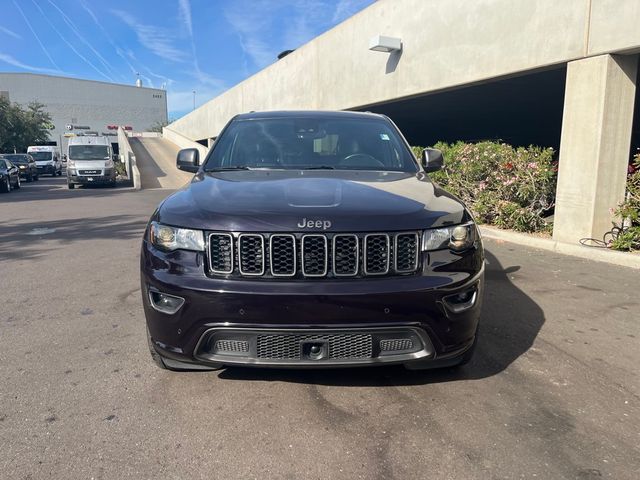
432	160
188	160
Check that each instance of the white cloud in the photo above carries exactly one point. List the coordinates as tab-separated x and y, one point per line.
6	58
155	39
11	33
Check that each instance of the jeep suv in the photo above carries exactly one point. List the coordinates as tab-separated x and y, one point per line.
311	239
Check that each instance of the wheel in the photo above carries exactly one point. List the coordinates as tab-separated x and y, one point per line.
174	365
18	183
70	186
60	173
6	186
112	184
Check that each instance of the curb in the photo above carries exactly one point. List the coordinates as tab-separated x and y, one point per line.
613	257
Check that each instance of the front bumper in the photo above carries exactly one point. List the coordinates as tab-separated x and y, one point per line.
242	313
47	169
105	176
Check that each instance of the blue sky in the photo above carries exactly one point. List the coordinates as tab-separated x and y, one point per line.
183	45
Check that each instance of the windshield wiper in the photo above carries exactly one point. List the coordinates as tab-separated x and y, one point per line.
320	167
228	169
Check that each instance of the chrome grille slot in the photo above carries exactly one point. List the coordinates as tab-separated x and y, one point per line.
251	254
376	254
406	252
282	255
314	255
221	253
346	255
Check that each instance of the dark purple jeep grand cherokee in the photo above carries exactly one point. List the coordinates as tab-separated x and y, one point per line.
311	239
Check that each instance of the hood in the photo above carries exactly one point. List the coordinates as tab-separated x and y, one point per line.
287	201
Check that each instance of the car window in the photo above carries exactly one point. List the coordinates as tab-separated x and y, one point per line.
3	165
307	143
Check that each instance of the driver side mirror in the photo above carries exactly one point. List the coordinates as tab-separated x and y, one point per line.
188	160
432	160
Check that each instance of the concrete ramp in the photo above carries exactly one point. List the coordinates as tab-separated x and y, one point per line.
156	160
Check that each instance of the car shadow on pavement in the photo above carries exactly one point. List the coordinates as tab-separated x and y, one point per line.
510	323
52	189
28	241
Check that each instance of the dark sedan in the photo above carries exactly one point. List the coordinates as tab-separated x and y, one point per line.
25	163
9	176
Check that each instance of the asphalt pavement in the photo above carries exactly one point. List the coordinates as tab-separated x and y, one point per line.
553	392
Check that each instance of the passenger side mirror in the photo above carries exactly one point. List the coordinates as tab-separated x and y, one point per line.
432	160
188	160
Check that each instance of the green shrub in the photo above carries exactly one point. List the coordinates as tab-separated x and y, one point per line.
628	232
503	186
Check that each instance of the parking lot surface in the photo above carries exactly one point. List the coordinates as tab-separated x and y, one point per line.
552	393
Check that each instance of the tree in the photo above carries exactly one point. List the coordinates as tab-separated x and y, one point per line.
21	127
157	126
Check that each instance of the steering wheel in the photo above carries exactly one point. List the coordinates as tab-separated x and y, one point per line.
364	159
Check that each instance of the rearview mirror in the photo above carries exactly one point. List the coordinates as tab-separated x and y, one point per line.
432	160
188	160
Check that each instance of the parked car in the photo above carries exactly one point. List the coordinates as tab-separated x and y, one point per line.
25	163
311	239
48	159
9	176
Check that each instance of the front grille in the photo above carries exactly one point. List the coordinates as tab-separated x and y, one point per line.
289	346
313	255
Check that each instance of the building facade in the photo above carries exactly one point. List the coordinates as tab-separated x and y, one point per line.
89	104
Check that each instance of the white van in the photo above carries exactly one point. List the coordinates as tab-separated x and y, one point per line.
89	161
48	159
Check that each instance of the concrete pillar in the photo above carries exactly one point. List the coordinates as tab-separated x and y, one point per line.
594	149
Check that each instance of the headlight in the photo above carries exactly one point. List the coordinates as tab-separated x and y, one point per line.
173	238
108	163
456	237
72	171
71	163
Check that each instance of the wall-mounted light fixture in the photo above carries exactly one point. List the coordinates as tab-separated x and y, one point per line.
380	43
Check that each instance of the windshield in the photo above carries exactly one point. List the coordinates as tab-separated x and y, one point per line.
40	156
89	152
16	158
311	143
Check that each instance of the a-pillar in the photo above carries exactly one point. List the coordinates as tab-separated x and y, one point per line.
594	149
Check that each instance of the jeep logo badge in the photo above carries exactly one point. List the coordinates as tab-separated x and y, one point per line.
323	224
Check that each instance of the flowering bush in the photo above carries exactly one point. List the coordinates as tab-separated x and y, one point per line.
628	234
502	185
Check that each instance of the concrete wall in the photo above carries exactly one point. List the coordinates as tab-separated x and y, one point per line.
446	44
84	102
183	142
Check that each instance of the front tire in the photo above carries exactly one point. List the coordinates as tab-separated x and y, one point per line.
70	186
6	186
18	184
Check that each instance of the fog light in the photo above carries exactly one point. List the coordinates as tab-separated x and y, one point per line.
459	302
165	303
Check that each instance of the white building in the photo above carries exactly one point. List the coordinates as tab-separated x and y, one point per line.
86	103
